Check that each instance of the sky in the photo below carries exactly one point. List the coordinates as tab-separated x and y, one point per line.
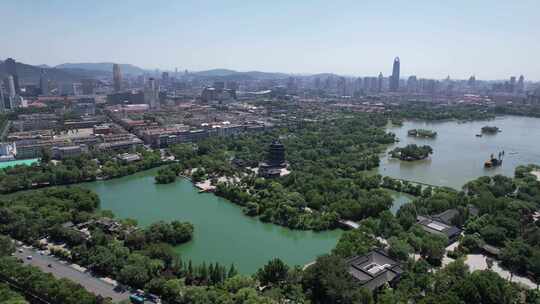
491	39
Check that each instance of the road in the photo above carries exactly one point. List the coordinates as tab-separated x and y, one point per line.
64	270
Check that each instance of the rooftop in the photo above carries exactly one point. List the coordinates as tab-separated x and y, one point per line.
374	269
433	225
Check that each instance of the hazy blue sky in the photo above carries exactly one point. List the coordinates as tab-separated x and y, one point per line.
434	38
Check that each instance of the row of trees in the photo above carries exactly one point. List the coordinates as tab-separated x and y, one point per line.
434	112
73	170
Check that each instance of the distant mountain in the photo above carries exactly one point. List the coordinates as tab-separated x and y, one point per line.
235	75
103	67
29	74
324	75
215	73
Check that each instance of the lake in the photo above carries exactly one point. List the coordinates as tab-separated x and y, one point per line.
222	232
459	156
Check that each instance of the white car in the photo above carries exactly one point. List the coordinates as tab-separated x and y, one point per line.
29	257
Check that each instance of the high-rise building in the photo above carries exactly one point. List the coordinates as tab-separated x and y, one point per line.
374	83
10	96
380	83
412	84
472	81
165	78
341	86
43	83
2	100
10	87
512	86
77	88
521	84
292	85
358	86
88	86
232	85
117	78
394	81
219	86
151	93
11	69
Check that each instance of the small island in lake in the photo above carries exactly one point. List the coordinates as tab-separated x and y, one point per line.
422	133
412	152
490	130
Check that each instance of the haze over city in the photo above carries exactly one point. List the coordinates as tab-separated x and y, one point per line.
270	152
489	39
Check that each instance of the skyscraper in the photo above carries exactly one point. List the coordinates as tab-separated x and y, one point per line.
521	84
394	81
367	84
2	101
472	81
117	78
412	84
43	83
10	87
341	86
358	86
380	83
88	86
512	86
151	94
11	69
10	96
165	79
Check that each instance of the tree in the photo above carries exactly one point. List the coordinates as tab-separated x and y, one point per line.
399	249
7	246
235	283
274	272
165	176
515	256
354	242
433	248
232	271
328	281
9	296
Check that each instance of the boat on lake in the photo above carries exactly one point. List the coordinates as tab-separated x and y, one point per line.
493	161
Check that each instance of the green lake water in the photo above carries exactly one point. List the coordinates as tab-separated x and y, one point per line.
222	232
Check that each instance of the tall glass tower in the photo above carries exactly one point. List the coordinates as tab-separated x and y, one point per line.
394	80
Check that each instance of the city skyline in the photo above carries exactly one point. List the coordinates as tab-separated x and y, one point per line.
490	39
